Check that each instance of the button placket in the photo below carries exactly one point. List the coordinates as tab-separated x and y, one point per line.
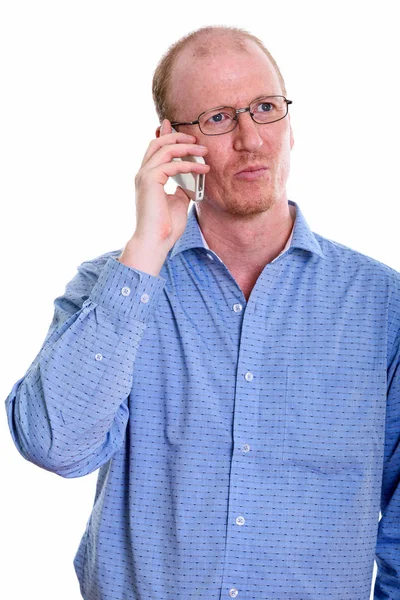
238	530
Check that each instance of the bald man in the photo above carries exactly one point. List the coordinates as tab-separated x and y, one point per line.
233	375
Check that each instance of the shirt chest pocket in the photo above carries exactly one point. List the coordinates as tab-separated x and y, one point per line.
329	418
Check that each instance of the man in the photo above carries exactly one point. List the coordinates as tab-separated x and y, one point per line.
234	376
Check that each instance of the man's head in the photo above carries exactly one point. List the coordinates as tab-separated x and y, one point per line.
199	43
221	66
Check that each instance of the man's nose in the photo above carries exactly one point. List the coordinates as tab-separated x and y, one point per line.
246	133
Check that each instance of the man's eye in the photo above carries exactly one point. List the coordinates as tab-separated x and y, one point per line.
218	118
265	107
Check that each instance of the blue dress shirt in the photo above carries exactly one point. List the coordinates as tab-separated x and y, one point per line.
245	448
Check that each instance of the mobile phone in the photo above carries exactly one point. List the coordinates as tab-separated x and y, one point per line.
192	183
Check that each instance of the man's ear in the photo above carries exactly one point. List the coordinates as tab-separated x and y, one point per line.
158	131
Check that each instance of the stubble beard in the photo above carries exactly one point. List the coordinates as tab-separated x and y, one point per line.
250	206
247	204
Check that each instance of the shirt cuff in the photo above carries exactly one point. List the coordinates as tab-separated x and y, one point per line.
128	291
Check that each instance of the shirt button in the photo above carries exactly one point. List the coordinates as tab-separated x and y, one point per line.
99	357
233	592
240	520
249	376
144	298
125	291
237	307
246	447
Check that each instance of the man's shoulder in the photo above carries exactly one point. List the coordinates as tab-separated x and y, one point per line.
353	260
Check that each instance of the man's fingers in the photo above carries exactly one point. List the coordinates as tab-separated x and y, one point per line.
164	140
166	127
166	153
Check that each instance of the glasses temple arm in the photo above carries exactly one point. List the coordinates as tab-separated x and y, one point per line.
187	123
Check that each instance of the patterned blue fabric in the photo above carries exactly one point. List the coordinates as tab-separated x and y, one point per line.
245	448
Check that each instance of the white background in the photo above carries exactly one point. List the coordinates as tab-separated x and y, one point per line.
76	117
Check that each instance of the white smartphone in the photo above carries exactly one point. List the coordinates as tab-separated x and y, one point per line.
192	183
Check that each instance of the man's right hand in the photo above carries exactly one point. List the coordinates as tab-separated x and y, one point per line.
160	217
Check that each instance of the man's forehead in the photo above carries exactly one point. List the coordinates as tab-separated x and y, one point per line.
210	75
214	50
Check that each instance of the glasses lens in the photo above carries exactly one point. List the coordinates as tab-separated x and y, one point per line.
268	109
217	120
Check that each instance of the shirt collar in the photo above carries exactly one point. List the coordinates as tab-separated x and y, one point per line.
301	237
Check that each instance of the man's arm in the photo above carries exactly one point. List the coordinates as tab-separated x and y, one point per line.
68	414
387	585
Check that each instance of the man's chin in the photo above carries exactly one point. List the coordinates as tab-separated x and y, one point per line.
249	205
241	202
250	211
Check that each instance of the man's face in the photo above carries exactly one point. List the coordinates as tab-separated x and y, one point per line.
232	78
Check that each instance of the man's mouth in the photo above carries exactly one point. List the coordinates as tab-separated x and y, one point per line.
251	172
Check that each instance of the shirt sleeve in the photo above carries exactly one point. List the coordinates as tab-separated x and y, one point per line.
387	584
68	413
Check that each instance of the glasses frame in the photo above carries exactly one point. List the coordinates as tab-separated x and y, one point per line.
237	112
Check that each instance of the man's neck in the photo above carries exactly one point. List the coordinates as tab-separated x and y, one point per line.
247	245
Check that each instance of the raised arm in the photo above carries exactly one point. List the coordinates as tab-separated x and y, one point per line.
68	414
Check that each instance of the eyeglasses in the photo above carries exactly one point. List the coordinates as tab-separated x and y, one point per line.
223	119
